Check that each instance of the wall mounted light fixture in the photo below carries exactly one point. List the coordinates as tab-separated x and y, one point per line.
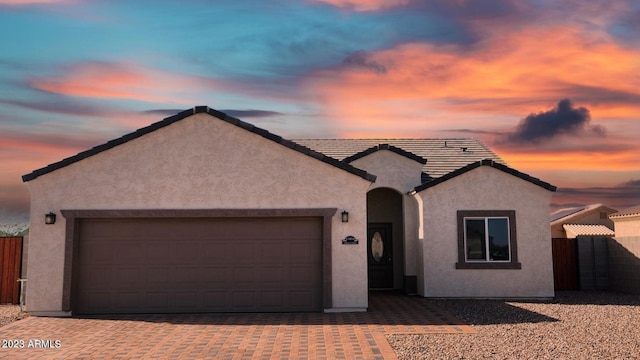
345	216
50	218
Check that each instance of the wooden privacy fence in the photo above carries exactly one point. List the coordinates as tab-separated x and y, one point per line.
11	257
581	263
565	263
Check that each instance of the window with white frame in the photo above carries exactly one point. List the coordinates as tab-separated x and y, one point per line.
487	240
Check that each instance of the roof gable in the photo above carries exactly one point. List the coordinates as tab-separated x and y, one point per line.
391	148
485	162
184	114
444	155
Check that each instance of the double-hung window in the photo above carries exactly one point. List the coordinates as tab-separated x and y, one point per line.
487	240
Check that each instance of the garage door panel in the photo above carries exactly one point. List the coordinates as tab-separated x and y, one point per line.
97	301
128	252
100	252
272	252
243	275
215	275
272	299
157	300
160	253
302	275
272	275
99	277
215	301
127	300
127	277
214	252
199	265
243	252
301	299
186	251
156	278
243	300
186	276
186	301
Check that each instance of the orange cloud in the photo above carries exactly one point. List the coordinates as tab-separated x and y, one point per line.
616	161
364	5
121	81
509	73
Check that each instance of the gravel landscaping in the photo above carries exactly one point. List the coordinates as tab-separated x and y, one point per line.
574	325
10	313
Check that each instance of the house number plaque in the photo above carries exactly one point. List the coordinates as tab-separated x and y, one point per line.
350	240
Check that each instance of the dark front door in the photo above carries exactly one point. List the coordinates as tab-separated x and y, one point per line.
379	255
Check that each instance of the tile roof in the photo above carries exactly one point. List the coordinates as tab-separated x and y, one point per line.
633	211
485	162
391	148
588	230
182	115
443	155
568	214
559	214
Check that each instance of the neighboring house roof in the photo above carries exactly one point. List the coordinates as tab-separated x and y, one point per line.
391	148
566	215
443	155
485	162
559	214
184	114
630	212
588	230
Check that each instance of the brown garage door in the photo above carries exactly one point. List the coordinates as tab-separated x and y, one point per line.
199	265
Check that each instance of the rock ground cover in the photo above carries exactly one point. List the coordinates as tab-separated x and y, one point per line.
574	325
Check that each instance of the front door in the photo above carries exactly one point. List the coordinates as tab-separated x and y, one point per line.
379	255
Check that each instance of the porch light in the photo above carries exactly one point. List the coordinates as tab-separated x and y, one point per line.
50	218
345	216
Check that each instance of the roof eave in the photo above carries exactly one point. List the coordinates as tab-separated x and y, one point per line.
388	147
485	162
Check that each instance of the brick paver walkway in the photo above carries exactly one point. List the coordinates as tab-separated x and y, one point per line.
230	336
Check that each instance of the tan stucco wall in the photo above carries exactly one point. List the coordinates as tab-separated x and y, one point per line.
197	163
486	188
627	226
624	255
589	218
402	174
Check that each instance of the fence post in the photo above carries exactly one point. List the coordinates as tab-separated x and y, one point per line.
22	282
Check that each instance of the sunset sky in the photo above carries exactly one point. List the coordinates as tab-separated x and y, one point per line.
552	86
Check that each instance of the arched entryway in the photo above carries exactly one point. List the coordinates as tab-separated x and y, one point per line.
385	239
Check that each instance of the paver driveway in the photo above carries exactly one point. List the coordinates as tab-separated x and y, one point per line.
231	336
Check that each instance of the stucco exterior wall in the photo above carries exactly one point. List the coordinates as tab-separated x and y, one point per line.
624	255
627	226
590	218
402	174
199	162
486	188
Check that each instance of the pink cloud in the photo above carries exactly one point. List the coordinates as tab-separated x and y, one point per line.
364	5
509	74
122	81
33	2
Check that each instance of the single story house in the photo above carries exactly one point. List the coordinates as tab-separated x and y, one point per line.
202	212
624	251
